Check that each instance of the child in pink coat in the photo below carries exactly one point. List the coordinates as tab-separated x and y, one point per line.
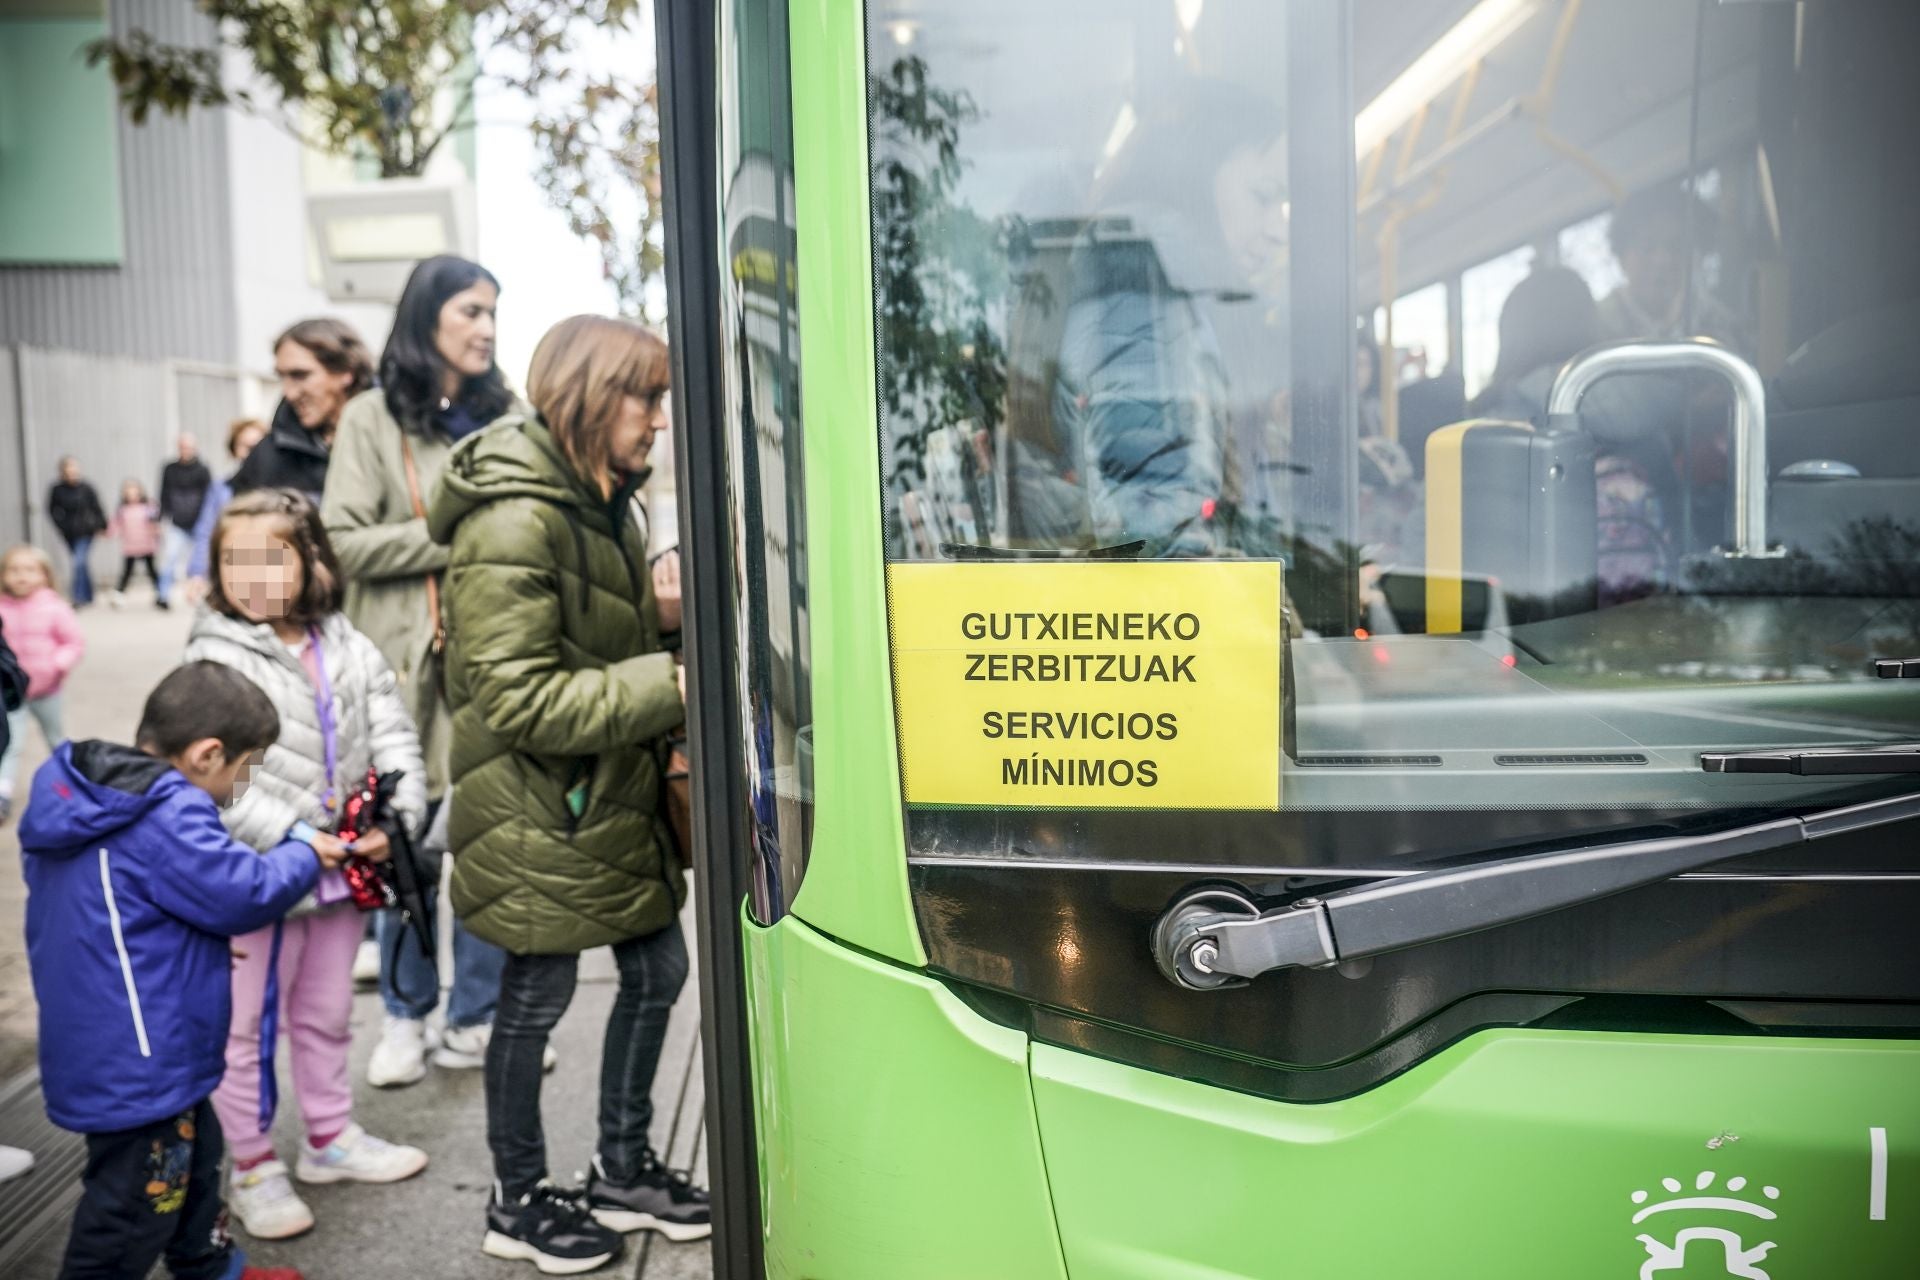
137	525
45	635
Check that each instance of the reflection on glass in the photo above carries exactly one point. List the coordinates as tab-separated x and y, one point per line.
1087	305
1419	333
1082	248
761	378
1482	291
1584	248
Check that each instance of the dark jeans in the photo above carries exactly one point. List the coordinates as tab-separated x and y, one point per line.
534	992
151	1191
82	571
410	984
127	566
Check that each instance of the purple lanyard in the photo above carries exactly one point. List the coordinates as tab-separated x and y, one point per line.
323	708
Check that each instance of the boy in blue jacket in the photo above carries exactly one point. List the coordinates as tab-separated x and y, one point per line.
134	888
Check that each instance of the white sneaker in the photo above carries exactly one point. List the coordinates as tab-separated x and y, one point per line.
401	1056
266	1203
358	1156
465	1049
366	964
14	1162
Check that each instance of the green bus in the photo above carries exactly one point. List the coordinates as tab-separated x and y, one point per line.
1300	617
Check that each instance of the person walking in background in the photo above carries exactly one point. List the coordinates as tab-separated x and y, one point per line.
438	385
183	491
242	435
74	508
136	525
562	700
133	890
321	364
46	640
273	615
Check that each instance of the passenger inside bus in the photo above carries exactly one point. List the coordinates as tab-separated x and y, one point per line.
1630	172
1655	234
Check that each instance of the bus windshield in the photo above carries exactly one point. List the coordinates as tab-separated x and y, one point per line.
1561	353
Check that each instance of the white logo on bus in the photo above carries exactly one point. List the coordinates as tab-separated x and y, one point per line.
1739	1259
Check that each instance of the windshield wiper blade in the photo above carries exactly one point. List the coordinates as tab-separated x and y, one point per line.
1818	762
974	551
1210	939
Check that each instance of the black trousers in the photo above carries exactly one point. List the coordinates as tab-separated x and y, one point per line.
152	1192
534	992
127	566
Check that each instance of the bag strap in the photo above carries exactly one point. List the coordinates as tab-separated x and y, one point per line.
420	511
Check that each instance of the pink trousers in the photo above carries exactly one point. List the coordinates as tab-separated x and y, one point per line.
316	1007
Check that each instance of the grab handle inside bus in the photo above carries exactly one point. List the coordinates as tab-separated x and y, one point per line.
1703	355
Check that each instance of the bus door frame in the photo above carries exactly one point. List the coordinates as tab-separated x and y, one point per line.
686	36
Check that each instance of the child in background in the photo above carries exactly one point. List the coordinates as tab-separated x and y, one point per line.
273	614
242	435
46	640
134	888
137	525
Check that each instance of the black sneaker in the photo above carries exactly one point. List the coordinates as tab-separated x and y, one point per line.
551	1228
658	1200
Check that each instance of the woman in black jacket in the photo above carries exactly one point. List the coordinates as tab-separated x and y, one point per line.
322	364
75	510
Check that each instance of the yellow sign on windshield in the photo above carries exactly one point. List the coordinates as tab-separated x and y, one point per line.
1088	684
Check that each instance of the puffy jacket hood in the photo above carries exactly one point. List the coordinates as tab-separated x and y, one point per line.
515	458
89	791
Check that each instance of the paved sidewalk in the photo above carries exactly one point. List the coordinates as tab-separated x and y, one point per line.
423	1229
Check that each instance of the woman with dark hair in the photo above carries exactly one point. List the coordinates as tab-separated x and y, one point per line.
321	364
1549	318
438	385
562	699
438	369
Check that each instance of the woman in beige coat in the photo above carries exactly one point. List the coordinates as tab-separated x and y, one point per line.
438	385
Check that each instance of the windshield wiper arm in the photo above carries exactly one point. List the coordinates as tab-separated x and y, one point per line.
1211	938
1818	762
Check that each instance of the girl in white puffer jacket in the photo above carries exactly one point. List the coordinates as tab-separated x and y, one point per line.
273	615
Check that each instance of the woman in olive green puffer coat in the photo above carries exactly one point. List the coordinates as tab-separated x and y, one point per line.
561	700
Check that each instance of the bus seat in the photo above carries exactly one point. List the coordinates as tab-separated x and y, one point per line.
1514	505
1847	520
1864	358
1851	395
1876	438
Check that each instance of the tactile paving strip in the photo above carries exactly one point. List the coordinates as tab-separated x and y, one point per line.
42	1199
